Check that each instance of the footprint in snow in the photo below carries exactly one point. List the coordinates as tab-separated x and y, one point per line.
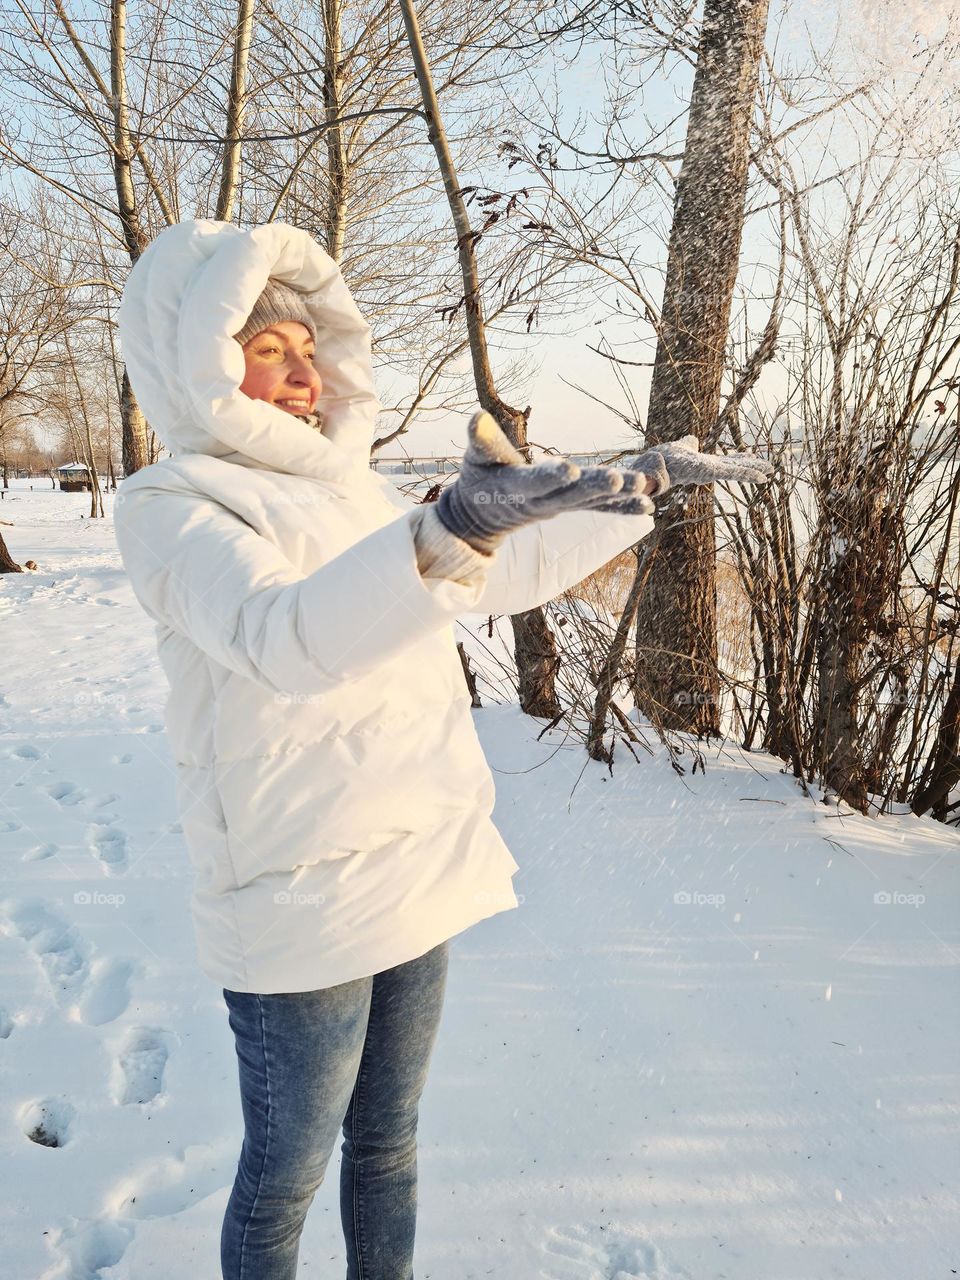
66	793
109	844
594	1252
39	852
88	1248
139	1066
105	839
6	1024
47	1121
173	1183
53	942
106	994
94	990
24	752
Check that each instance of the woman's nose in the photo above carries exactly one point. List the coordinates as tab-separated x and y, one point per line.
306	371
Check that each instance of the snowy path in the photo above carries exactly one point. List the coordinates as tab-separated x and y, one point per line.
703	1048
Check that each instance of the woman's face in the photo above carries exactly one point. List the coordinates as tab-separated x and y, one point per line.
279	367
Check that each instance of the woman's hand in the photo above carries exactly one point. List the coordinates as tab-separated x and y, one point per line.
497	491
681	462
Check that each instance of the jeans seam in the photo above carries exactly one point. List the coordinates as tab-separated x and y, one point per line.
266	1141
357	1103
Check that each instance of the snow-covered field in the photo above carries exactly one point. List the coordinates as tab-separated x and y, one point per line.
718	1040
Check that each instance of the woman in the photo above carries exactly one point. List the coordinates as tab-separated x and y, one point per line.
332	791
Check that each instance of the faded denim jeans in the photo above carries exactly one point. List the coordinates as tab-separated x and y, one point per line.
354	1055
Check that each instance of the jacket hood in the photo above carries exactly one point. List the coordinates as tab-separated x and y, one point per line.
190	291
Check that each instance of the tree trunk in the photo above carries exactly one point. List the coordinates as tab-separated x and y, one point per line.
468	675
235	103
535	649
336	219
537	659
7	562
862	561
135	239
84	442
96	494
945	766
134	439
677	679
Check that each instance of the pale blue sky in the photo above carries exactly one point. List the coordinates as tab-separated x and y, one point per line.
870	31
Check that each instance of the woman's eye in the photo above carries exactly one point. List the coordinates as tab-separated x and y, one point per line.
265	351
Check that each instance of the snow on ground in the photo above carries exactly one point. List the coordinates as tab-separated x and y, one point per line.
718	1040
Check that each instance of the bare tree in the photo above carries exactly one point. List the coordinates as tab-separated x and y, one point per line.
536	653
50	59
849	561
676	622
33	319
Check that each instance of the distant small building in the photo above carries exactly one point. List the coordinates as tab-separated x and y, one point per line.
74	477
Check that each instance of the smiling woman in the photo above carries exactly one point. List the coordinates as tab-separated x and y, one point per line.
279	343
333	793
279	368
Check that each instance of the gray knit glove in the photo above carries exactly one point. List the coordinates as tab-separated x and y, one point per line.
651	464
685	464
497	491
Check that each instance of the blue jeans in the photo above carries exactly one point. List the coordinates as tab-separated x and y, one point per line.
355	1054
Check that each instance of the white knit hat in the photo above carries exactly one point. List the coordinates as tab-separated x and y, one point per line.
277	302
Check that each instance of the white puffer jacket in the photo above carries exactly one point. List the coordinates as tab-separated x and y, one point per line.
333	794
